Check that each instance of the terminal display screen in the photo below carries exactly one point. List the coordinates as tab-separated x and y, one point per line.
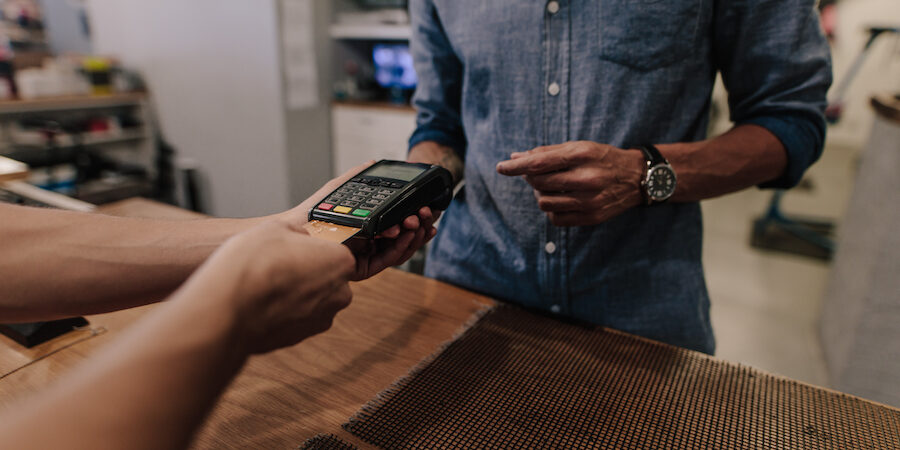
396	172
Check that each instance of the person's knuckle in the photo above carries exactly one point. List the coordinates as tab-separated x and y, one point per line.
580	202
564	182
582	152
585	180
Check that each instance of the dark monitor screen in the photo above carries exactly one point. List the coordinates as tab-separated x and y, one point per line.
394	66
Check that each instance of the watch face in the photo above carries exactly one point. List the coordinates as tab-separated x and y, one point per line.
660	183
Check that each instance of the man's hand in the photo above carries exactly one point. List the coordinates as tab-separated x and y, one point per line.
580	182
392	247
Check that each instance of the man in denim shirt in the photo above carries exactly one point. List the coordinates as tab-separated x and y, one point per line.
540	106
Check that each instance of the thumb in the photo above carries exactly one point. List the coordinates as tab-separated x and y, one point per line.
336	182
333	184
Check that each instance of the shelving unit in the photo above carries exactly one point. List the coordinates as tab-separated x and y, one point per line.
363	132
366	129
371	32
132	146
69	103
11	170
99	138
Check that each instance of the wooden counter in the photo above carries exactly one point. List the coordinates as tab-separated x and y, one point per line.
396	319
285	397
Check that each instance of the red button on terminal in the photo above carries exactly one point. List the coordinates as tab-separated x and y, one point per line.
325	206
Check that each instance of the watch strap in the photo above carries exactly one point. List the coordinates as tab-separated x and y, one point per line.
653	155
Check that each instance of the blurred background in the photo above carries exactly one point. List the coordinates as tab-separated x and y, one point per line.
245	107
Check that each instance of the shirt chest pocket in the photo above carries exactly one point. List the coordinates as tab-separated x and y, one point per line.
647	34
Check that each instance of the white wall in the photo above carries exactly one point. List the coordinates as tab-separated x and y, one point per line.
65	28
213	69
879	73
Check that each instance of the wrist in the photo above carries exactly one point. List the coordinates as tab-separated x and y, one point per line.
431	152
634	176
659	180
220	293
212	320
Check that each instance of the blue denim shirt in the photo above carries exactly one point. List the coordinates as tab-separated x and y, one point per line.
500	76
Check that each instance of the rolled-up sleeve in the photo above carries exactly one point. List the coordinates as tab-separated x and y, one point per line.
776	66
439	92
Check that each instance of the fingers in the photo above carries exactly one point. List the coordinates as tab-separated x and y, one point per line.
393	252
429	216
426	218
567	181
417	243
346	176
537	161
391	233
411	222
394	246
423	219
336	260
571	201
336	182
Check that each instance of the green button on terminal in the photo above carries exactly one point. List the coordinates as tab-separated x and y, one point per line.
361	212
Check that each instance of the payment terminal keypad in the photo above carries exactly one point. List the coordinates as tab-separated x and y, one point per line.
360	196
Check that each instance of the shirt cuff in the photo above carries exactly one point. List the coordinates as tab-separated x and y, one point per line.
450	139
803	140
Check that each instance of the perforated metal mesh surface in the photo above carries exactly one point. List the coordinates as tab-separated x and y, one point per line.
326	442
518	380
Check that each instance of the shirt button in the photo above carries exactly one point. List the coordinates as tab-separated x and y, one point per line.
553	7
554	309
550	247
553	89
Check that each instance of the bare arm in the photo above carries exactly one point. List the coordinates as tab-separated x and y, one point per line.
61	264
57	264
433	153
745	156
586	183
268	288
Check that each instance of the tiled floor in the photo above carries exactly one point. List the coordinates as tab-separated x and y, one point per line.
765	305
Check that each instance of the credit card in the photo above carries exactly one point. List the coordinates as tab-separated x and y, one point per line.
330	231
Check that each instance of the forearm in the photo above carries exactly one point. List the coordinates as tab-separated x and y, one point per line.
58	264
745	156
150	390
430	152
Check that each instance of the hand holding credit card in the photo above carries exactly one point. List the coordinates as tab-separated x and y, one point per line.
379	197
384	213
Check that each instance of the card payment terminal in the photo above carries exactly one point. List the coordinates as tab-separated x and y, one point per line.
378	198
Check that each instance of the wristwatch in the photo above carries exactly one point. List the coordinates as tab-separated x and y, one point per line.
659	180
